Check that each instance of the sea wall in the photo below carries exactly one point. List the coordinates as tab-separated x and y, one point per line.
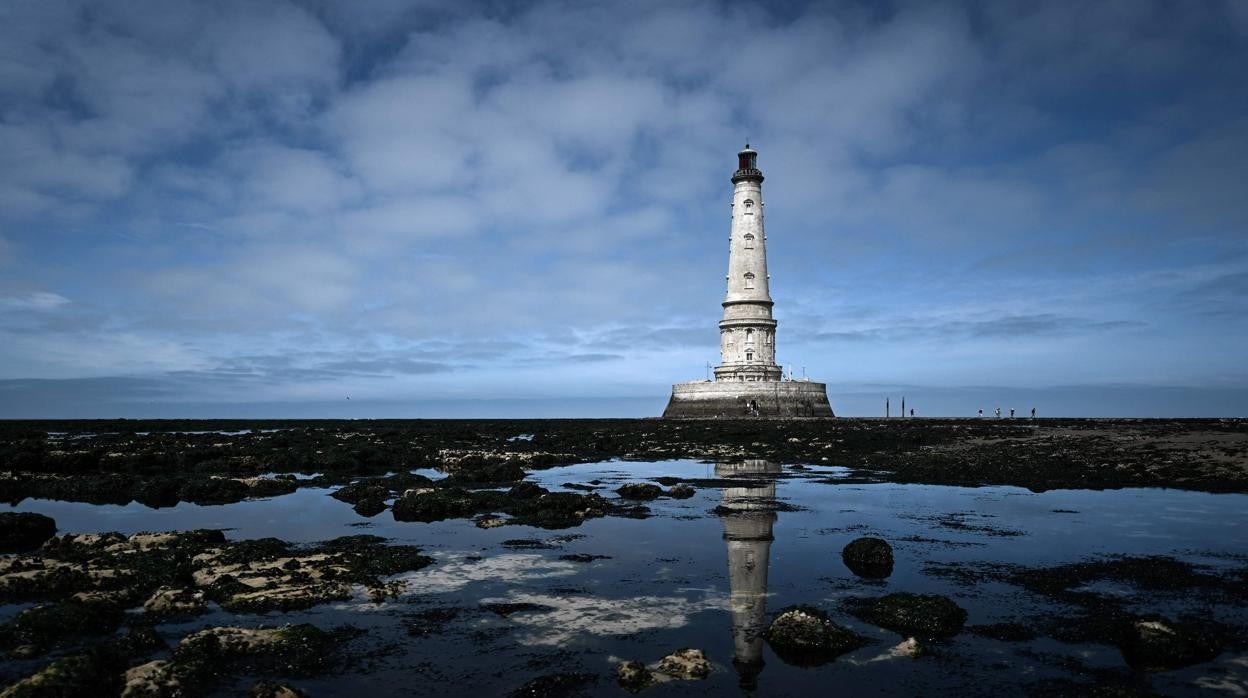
739	400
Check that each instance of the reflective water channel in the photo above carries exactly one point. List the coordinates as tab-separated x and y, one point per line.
503	606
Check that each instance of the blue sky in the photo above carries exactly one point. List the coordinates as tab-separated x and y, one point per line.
262	208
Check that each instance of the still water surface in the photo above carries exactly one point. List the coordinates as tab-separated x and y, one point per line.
705	572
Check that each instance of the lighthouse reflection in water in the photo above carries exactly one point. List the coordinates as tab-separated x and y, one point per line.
748	512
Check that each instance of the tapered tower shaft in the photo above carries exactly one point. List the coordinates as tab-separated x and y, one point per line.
747	332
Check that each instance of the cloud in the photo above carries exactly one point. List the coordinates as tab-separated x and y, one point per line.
539	192
37	300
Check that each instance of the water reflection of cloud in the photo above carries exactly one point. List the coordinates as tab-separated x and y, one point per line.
571	616
454	572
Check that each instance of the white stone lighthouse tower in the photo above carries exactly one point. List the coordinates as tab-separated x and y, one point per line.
748	381
747	334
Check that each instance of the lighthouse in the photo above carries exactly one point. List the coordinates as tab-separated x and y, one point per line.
747	333
748	381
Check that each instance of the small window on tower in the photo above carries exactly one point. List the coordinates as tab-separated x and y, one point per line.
749	207
749	280
749	241
749	335
767	338
749	356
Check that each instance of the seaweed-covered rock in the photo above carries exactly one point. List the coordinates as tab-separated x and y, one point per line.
77	675
871	558
155	679
270	689
526	490
475	469
681	491
22	531
173	602
685	663
254	576
356	492
225	651
39	628
633	676
640	490
924	615
370	506
806	636
1159	644
434	505
558	509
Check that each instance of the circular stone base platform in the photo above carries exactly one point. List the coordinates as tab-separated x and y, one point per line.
737	400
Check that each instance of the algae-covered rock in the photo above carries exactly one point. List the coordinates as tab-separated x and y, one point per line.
429	505
37	629
225	651
173	602
155	679
871	558
685	663
640	490
1159	644
22	531
681	491
370	506
806	636
77	675
633	676
924	615
270	689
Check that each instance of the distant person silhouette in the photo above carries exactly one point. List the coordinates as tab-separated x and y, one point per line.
981	412
998	413
1033	413
911	411
1011	413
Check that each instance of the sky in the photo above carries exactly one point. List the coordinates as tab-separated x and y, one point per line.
307	208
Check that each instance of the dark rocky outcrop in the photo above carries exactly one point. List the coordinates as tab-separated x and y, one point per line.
871	558
22	531
640	490
923	615
806	636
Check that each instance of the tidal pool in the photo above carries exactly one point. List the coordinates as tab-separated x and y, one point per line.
503	606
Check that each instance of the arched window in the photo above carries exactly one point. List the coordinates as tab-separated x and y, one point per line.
766	338
749	207
749	241
749	334
728	336
749	280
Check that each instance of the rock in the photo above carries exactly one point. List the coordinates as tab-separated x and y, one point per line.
22	531
269	689
806	636
526	490
433	505
583	557
171	602
370	506
633	676
640	490
686	663
359	491
155	679
490	521
40	628
923	615
555	686
227	651
1158	644
680	491
558	509
78	675
474	470
871	558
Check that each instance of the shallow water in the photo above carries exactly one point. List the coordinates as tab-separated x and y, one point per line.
694	576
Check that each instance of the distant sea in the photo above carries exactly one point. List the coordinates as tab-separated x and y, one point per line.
855	401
